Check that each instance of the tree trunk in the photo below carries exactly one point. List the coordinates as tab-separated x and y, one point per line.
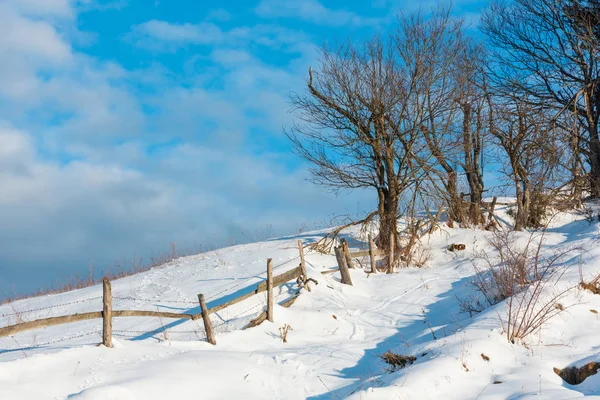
476	197
388	220
521	211
594	162
472	151
594	147
455	204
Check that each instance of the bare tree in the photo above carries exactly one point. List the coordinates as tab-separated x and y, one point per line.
438	45
555	43
377	113
357	124
471	99
457	120
529	154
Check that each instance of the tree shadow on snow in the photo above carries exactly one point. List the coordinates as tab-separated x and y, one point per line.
435	321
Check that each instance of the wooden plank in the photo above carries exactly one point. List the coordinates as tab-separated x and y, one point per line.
43	323
66	319
270	290
106	313
330	271
262	287
283	278
210	335
372	254
341	259
142	313
364	253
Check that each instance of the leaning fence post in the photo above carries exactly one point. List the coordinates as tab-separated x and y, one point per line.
372	254
347	254
341	259
302	264
106	313
210	335
492	207
270	289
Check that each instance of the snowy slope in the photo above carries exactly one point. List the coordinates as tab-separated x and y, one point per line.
338	333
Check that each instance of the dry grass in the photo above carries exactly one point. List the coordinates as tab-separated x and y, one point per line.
120	269
397	361
283	332
592	285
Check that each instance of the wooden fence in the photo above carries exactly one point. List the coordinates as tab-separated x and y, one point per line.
343	255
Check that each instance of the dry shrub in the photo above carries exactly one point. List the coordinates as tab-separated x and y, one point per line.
531	308
593	285
419	255
495	282
283	332
397	361
525	278
589	214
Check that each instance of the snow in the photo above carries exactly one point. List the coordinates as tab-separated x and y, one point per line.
338	331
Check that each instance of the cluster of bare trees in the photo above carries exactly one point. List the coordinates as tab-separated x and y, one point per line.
420	113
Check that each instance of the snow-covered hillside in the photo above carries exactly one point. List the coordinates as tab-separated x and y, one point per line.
338	332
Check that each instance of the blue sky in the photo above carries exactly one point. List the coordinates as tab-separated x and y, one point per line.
129	124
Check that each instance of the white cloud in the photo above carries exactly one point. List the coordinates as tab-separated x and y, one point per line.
312	11
43	8
156	34
159	35
219	14
86	172
34	39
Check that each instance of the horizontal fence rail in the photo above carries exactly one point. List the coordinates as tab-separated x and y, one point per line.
107	313
66	319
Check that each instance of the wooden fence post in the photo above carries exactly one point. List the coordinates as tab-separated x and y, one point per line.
347	254
106	313
341	259
302	264
210	335
391	258
270	289
492	207
372	254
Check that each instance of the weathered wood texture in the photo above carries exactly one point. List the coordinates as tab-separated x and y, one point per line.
364	253
492	209
372	255
330	271
347	254
106	313
302	263
270	290
210	335
142	313
43	323
65	319
261	287
341	259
